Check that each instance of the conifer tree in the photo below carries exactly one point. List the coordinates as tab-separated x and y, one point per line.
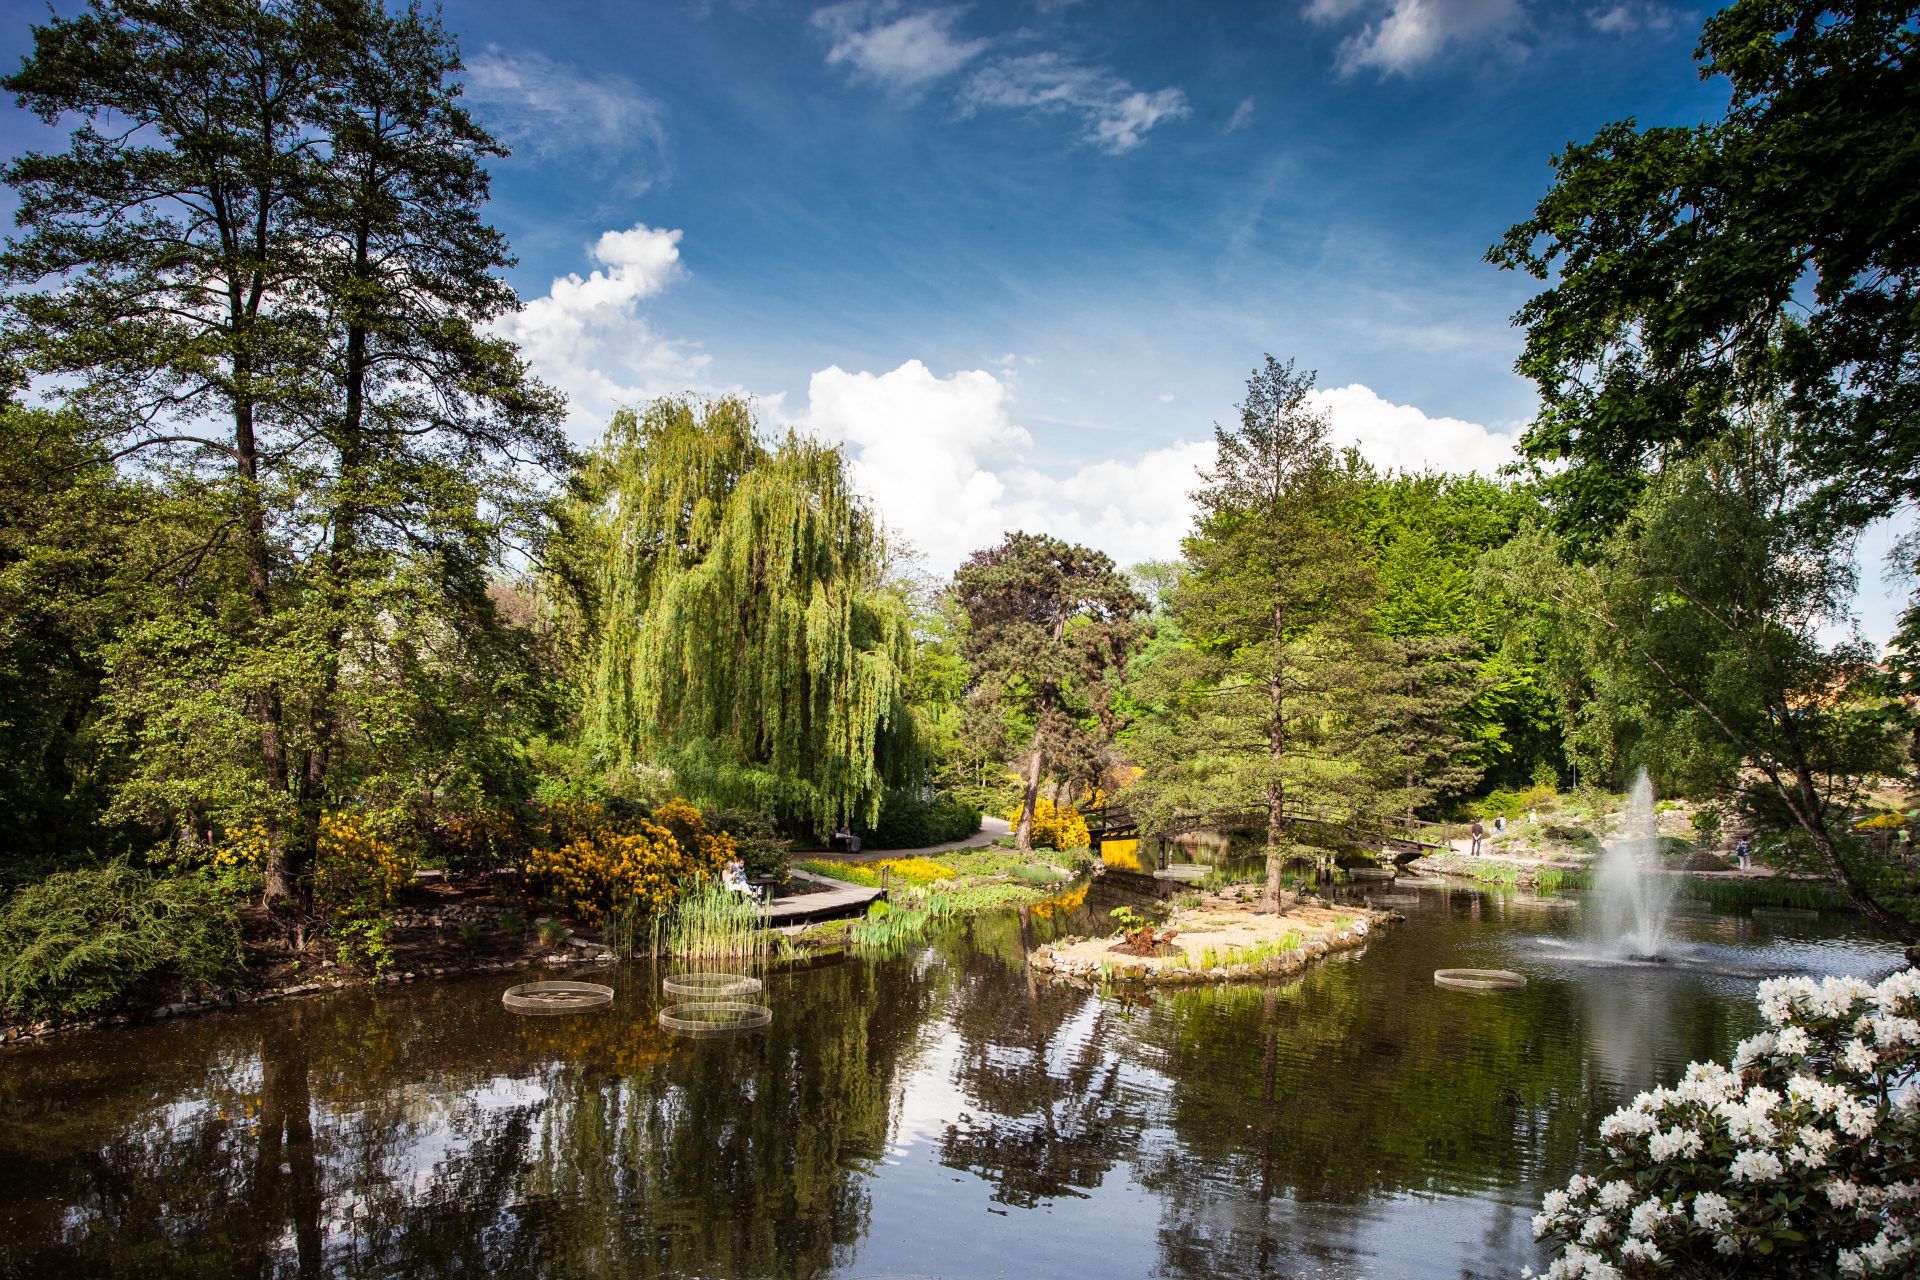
260	273
1276	609
1047	621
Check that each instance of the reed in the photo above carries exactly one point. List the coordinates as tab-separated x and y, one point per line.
711	923
1765	891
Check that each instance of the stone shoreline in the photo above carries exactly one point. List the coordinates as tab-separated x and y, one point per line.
579	952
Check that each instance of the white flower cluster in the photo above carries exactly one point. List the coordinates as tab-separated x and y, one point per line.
1804	1156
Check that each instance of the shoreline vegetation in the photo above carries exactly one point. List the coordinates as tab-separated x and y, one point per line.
1218	939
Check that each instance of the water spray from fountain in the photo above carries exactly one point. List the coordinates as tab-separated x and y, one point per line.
1635	893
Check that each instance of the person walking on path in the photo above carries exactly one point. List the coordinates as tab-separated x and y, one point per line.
1500	824
1479	833
1742	851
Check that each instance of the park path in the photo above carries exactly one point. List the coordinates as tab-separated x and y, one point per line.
991	829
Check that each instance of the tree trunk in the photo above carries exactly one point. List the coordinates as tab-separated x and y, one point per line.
1023	835
1276	792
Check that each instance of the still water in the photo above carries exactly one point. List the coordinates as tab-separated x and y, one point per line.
935	1113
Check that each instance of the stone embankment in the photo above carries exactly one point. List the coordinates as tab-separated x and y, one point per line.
1219	941
572	953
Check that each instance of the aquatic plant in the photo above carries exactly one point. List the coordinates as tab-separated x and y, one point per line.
710	922
910	917
1803	1159
1736	892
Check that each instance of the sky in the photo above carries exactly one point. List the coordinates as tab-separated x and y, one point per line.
1020	257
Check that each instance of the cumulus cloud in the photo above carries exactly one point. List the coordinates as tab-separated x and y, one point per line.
945	462
586	335
901	53
1115	114
1403	438
908	51
549	108
1402	35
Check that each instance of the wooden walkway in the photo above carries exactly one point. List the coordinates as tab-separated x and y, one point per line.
838	899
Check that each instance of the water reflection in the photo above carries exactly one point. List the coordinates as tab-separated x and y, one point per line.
937	1113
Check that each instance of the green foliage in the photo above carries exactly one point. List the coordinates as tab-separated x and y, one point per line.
550	932
738	631
294	353
364	941
909	820
1050	626
1737	892
710	922
89	939
1692	264
1037	874
763	851
912	915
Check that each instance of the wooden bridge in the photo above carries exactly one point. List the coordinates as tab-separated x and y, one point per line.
1402	838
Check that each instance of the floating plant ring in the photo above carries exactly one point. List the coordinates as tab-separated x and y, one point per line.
556	997
712	986
714	1017
1479	979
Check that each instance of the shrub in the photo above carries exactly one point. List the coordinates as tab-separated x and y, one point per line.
85	940
911	821
357	874
482	840
605	862
1055	828
1802	1160
761	849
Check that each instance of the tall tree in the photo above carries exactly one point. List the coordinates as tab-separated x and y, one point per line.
1276	607
1777	249
740	633
1048	621
267	217
1705	617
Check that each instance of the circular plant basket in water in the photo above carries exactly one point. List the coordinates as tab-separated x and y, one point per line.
1369	873
1478	979
714	1017
712	986
556	997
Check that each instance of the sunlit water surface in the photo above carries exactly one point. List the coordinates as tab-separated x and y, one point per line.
937	1113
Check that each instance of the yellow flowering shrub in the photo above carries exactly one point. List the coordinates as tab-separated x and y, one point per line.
357	871
482	839
1122	855
599	862
914	870
241	848
1882	822
1055	828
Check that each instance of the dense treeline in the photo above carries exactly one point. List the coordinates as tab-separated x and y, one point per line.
302	586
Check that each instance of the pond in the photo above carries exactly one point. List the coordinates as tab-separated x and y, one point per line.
934	1113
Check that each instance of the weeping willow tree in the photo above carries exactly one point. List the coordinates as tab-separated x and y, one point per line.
741	632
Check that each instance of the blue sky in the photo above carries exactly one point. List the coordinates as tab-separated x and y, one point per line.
1019	257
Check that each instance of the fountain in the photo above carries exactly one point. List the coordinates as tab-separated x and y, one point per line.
1635	893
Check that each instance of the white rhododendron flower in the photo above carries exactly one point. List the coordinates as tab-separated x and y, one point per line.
1802	1158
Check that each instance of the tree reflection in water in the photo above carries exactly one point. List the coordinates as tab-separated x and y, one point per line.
1355	1121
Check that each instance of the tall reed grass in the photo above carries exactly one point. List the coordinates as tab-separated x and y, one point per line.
1765	891
711	923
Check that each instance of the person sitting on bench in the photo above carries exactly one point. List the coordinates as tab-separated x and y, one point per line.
733	878
844	841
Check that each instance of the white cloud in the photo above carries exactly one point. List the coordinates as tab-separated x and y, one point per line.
907	51
945	462
1410	33
1117	116
1242	116
900	53
549	108
1629	16
1402	437
588	337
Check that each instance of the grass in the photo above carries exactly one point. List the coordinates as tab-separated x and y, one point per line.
889	926
1768	891
1559	879
1038	874
712	923
1254	956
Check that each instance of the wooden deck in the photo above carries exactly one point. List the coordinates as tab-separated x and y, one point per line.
838	899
